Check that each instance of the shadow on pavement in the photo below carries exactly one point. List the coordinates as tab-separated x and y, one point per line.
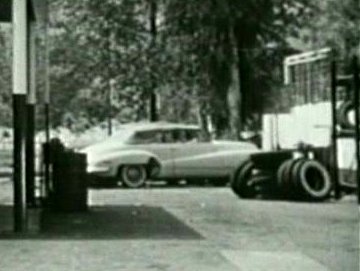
110	222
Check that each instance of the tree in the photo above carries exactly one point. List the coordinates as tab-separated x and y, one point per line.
337	27
228	41
217	61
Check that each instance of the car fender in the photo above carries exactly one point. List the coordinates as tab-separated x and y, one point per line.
130	157
235	159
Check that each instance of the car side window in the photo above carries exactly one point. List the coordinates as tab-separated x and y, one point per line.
180	136
168	136
193	135
147	137
199	136
186	135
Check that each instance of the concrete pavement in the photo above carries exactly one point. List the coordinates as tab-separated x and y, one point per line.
190	229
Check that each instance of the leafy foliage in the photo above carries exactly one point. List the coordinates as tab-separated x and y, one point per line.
217	61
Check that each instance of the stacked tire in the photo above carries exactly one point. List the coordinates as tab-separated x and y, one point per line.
299	179
304	179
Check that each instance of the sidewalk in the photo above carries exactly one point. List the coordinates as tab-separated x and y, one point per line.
131	238
186	229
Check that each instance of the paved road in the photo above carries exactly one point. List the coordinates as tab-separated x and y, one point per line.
192	229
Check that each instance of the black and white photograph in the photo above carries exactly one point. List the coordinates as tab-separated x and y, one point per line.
180	135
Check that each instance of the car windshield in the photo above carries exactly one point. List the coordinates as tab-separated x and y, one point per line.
146	137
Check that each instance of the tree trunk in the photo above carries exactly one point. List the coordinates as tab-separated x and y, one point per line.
203	119
234	90
153	32
234	102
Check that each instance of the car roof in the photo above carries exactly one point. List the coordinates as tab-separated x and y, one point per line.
144	126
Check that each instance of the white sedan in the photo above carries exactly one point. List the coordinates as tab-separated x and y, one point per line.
163	150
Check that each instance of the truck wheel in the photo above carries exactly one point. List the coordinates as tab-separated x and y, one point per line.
241	183
313	180
133	176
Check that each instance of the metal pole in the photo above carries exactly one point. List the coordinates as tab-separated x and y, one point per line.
20	86
47	104
30	127
356	71
333	132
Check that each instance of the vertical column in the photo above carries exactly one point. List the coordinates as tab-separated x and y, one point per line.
20	86
47	105
30	125
334	132
356	71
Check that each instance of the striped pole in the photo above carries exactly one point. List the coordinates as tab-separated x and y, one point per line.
47	103
30	126
20	87
356	71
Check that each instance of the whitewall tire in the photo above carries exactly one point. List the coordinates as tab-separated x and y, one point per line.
133	176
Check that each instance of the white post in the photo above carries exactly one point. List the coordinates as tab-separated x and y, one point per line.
20	87
20	53
32	59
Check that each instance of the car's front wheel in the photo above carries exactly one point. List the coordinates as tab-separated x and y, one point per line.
133	176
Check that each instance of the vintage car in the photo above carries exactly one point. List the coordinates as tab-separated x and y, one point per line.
165	151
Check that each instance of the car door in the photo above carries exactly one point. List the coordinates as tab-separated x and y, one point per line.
153	142
195	157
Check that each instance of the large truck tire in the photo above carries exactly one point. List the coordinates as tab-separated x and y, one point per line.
312	180
241	182
297	190
285	183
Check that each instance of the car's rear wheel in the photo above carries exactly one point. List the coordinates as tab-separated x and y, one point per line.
133	176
